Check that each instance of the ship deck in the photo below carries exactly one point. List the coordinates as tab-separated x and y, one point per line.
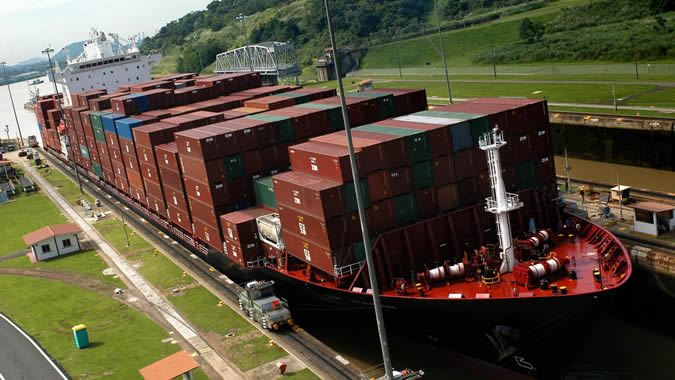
591	248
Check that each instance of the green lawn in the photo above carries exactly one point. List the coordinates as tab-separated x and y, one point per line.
87	263
254	352
564	93
63	185
123	340
512	72
30	212
664	98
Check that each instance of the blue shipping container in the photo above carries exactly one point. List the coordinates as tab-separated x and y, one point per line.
461	137
142	102
39	126
109	122
124	127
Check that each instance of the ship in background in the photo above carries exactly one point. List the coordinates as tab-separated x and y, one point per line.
100	66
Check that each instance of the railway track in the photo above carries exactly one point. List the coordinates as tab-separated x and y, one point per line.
321	357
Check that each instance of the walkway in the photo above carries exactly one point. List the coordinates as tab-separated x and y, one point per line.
167	311
14	255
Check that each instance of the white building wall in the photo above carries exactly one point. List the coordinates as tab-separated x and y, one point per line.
74	244
645	228
41	255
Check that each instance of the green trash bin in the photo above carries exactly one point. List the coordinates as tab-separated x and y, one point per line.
81	336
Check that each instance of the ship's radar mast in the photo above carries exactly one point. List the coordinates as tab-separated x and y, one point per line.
501	202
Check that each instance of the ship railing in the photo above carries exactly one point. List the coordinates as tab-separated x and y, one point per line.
511	202
203	248
348	269
260	262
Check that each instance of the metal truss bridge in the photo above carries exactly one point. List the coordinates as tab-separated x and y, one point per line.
271	59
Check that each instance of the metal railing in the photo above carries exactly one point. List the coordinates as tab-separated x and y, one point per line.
348	269
511	202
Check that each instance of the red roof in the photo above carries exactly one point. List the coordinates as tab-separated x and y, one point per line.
652	206
49	231
171	366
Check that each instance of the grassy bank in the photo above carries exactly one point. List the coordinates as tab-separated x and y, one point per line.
122	339
27	213
69	190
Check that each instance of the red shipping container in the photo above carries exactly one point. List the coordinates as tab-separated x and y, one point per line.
238	137
307	122
159	114
535	110
200	143
153	188
240	226
171	178
322	258
175	197
157	205
134	179
108	176
484	185
167	156
216	193
253	161
130	162
208	235
521	147
322	160
180	218
427	204
334	233
447	197
470	162
315	196
546	169
371	153
203	171
138	194
510	176
270	102
541	142
207	213
444	170
123	105
468	192
242	254
149	171
154	134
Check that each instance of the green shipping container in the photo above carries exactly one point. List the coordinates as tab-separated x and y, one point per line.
385	102
98	170
234	166
423	174
478	123
95	118
334	114
405	207
99	134
417	141
283	126
85	152
359	249
527	175
350	195
264	192
299	98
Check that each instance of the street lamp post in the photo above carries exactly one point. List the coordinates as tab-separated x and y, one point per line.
4	70
199	54
48	51
377	305
440	38
243	18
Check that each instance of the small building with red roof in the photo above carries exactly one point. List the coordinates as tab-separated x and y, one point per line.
53	241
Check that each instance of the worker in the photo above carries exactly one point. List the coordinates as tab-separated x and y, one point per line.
582	192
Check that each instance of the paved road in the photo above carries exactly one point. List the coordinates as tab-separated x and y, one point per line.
20	358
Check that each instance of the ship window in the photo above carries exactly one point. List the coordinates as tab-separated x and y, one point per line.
88	65
138	67
78	78
117	81
126	69
89	76
116	60
104	73
143	65
100	63
133	56
111	71
81	67
644	216
137	78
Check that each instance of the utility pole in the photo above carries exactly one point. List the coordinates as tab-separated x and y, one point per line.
440	38
637	74
567	170
124	226
4	70
243	18
398	56
614	97
199	53
48	51
494	63
618	185
388	371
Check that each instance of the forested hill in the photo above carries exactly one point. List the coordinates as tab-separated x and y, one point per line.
193	41
206	33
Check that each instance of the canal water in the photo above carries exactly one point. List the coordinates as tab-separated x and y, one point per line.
27	120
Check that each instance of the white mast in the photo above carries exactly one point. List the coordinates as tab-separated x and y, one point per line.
501	202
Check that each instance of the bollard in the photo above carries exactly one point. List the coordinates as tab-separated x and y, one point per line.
282	367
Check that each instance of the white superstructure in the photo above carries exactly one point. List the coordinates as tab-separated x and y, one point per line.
99	67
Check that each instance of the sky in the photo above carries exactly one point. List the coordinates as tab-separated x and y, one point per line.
28	26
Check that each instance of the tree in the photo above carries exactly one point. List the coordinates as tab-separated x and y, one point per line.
531	31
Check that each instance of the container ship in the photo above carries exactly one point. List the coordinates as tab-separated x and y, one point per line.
461	200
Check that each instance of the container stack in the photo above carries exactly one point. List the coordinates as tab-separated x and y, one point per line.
176	201
225	163
240	235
